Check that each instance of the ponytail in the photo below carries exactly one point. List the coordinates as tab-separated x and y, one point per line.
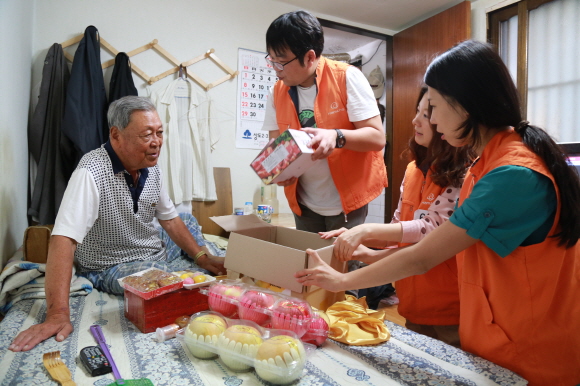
521	127
566	178
473	75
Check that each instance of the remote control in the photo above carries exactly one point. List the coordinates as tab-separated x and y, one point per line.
95	361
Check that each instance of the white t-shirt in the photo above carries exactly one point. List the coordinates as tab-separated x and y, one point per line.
316	189
80	207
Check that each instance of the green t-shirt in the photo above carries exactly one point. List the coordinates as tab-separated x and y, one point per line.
510	206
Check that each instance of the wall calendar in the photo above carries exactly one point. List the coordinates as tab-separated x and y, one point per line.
254	82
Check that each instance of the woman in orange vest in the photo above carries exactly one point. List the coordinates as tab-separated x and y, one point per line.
429	191
516	226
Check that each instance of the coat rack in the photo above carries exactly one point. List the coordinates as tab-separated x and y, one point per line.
163	52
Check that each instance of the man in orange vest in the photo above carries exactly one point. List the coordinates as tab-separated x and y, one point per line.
334	103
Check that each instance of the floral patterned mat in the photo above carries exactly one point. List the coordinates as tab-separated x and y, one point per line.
406	359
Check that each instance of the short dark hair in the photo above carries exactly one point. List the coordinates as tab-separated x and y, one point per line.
448	164
473	75
298	31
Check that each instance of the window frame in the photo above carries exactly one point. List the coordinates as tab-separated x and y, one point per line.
521	9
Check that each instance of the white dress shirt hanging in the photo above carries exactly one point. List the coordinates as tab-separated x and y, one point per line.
191	132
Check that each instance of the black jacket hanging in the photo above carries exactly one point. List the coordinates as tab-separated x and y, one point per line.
85	116
45	139
122	80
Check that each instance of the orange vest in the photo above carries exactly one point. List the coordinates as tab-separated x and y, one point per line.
522	311
359	176
431	298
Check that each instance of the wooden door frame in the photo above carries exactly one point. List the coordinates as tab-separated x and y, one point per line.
413	49
388	101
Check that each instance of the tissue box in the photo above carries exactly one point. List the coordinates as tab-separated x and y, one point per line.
286	157
148	315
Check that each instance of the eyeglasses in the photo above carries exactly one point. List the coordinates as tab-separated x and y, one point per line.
278	66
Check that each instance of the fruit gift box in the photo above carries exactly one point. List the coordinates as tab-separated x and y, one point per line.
223	296
255	304
287	156
278	356
151	283
234	299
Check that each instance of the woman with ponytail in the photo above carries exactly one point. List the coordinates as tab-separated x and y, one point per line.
429	192
515	230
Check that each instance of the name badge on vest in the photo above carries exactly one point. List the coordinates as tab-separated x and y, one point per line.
420	213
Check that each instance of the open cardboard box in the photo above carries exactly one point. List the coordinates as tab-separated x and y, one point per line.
273	254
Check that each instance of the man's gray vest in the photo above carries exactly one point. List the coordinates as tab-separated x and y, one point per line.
119	235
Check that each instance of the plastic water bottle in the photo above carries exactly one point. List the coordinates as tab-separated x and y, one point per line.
249	208
265	212
269	197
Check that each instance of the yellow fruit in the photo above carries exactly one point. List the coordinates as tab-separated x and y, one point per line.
199	279
237	346
262	284
207	325
184	276
202	333
277	346
280	359
243	334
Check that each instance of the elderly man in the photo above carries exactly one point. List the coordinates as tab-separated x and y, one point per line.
105	221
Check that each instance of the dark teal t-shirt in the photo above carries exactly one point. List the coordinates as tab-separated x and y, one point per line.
510	206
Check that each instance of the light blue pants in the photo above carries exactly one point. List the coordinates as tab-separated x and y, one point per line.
176	260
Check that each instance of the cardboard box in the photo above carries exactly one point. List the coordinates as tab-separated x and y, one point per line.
273	254
286	157
148	315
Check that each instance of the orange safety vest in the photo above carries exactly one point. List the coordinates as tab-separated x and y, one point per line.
359	176
522	311
431	298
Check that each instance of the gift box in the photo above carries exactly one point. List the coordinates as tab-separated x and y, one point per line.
174	283
149	314
286	157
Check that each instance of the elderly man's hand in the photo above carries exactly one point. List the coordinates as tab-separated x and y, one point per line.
214	264
58	324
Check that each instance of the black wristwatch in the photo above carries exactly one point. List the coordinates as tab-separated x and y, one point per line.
340	140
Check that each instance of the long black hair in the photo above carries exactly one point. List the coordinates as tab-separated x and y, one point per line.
473	75
448	164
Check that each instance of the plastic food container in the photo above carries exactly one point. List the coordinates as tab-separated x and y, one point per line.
234	299
292	314
317	332
192	274
255	304
151	283
222	296
278	356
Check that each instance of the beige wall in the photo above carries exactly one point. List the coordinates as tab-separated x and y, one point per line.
185	28
479	17
16	19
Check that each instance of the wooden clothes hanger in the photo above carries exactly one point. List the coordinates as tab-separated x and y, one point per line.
179	66
209	54
113	51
